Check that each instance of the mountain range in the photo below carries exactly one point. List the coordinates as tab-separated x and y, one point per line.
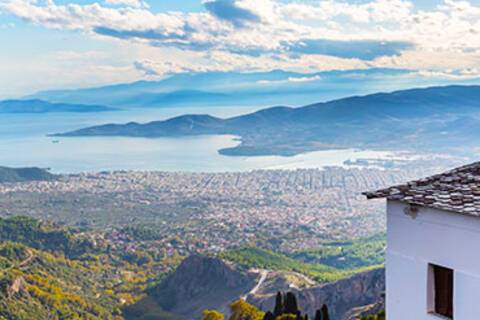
434	119
41	106
235	89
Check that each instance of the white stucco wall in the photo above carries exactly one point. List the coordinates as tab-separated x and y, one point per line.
433	237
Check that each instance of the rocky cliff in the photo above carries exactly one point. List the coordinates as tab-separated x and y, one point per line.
342	297
201	283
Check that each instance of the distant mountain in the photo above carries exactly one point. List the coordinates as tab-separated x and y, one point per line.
177	98
24	174
436	118
40	106
234	88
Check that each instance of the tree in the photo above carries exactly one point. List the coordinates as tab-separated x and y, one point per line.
212	315
306	317
241	310
291	306
318	315
269	316
287	317
278	310
325	315
299	316
380	316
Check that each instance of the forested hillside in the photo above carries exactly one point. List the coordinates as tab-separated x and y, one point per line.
49	272
52	272
333	260
24	174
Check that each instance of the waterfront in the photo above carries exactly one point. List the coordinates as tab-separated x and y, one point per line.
24	142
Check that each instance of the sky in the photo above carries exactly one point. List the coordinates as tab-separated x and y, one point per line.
53	44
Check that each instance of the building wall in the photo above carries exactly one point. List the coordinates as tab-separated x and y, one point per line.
433	237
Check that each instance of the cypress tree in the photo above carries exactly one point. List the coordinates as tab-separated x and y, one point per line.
291	305
318	315
278	310
269	316
325	315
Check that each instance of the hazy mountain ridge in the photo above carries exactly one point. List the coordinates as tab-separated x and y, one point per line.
422	118
234	88
40	106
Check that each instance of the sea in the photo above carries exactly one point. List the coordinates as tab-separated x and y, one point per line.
24	142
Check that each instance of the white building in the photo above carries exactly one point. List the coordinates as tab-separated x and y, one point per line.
433	253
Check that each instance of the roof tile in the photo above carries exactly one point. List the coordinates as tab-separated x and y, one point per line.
457	190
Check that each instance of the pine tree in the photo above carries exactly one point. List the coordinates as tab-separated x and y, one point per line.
325	315
318	315
291	306
269	316
278	310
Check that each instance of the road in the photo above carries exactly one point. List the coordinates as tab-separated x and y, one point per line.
263	277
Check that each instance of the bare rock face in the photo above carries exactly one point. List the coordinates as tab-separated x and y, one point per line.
372	309
15	287
341	297
201	283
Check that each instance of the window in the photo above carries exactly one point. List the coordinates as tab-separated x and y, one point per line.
440	294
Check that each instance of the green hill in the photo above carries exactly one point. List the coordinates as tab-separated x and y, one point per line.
265	259
24	174
43	236
48	272
347	254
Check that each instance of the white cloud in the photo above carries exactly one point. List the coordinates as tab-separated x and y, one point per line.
268	34
161	68
291	79
128	3
452	74
63	69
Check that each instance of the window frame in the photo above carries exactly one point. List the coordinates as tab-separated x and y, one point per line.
432	308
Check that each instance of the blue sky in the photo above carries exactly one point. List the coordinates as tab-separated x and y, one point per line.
49	44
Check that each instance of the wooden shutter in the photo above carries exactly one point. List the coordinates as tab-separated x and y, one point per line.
443	291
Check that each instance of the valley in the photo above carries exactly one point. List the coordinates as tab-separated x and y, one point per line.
51	271
239	159
168	245
284	210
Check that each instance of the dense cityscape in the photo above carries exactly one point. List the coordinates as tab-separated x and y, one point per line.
210	212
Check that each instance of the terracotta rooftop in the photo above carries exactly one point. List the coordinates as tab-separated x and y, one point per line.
457	190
